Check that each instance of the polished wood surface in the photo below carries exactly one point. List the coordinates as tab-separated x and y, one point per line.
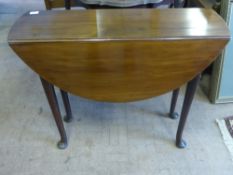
119	55
143	24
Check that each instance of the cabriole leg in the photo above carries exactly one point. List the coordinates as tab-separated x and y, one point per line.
52	100
66	102
173	114
189	94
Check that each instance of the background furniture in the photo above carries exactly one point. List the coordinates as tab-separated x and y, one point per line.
50	4
221	83
201	3
93	4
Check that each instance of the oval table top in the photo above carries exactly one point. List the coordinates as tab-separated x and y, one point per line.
119	55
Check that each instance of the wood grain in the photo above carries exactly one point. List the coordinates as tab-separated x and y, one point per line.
122	55
115	24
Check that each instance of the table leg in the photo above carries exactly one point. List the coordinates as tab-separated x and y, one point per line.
173	114
186	3
189	94
67	4
66	102
176	3
52	99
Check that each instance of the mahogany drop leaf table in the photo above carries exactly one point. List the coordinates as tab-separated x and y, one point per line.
119	55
